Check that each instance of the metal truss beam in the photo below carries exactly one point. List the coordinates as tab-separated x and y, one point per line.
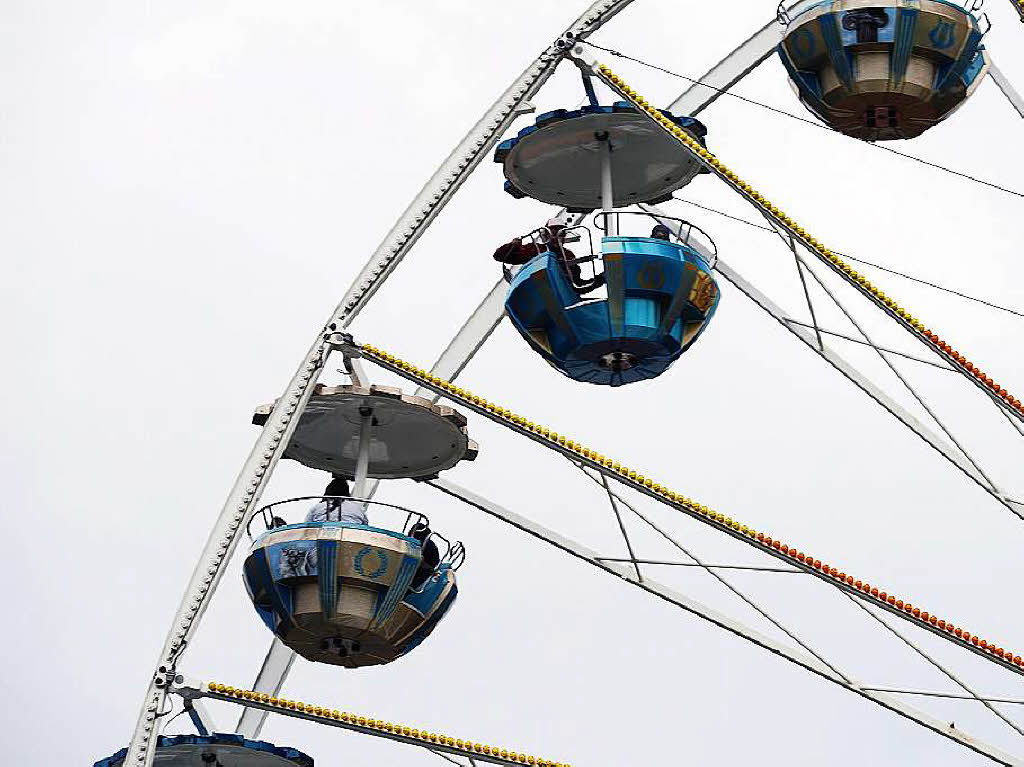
812	340
734	627
475	404
862	382
269	446
705	565
470	337
1007	89
582	57
276	667
200	717
945	671
747	57
990	485
192	690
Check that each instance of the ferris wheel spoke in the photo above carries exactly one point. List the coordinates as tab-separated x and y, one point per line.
949	674
272	675
749	55
669	595
971	694
688	506
613	499
474	332
193	690
901	316
886	349
1007	89
807	296
991	486
852	374
711	571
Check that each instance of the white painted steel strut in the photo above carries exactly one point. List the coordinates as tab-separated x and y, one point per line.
277	431
791	654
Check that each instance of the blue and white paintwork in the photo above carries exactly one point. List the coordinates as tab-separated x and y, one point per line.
921	60
315	582
231	749
660	298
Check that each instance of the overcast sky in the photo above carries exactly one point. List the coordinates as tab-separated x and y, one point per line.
188	188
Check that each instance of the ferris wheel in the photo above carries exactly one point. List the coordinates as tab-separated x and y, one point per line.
613	288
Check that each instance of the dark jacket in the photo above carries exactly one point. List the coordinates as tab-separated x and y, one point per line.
517	252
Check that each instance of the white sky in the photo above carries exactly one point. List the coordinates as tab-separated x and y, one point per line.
187	190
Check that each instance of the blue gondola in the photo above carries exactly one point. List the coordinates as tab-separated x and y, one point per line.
224	748
660	297
885	70
349	595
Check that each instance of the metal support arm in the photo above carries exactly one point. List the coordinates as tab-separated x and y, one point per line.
814	342
667	594
193	690
270	680
1007	88
200	716
281	422
471	336
750	54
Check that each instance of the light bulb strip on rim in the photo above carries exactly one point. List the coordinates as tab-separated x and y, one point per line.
467	748
832	259
766	543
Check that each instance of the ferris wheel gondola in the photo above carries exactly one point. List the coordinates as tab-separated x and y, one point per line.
350	593
358	594
659	293
884	70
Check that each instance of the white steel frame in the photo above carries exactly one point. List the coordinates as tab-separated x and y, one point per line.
806	660
275	434
245	494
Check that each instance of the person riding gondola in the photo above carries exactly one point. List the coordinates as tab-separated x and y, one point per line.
337	506
661	232
431	556
553	240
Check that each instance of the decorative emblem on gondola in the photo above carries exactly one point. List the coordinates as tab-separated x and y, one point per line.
361	562
297	562
944	34
703	293
803	42
651	276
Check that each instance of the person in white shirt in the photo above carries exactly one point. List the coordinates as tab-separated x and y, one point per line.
337	506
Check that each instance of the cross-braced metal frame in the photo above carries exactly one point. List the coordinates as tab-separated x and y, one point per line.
245	494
